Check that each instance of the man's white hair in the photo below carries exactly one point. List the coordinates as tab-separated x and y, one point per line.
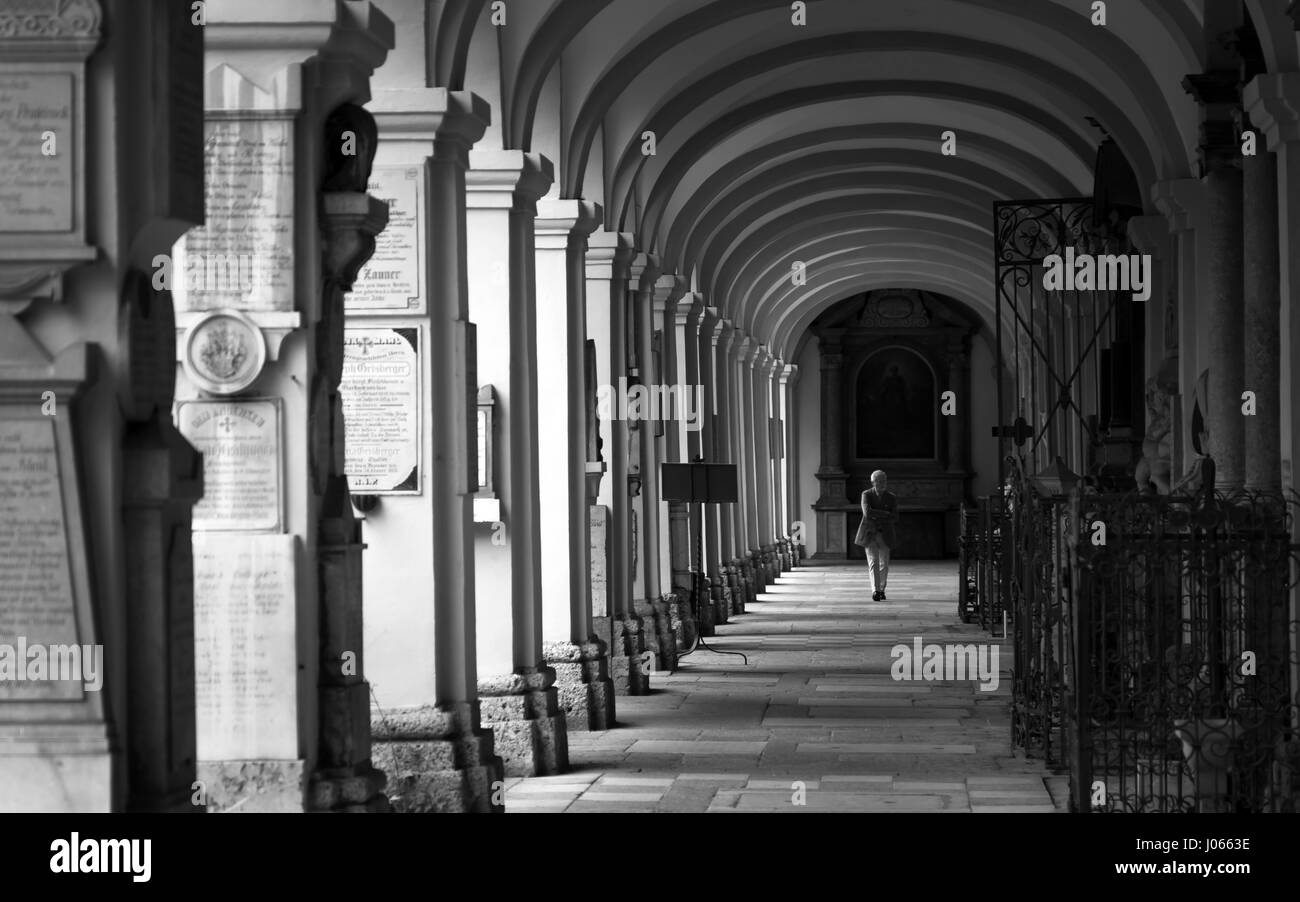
878	473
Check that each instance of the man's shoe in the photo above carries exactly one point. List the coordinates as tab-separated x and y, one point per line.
875	596
882	596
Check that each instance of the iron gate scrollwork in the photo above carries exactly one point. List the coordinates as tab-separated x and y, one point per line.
1184	696
1046	336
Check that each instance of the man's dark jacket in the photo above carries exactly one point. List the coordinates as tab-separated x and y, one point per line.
879	502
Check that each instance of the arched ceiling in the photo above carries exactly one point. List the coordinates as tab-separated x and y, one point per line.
820	143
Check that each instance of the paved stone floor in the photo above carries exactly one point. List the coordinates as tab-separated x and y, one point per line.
814	722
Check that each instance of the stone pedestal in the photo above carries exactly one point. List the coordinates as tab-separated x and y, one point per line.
438	759
583	683
630	663
528	723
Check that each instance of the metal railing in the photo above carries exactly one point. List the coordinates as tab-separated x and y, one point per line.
1155	642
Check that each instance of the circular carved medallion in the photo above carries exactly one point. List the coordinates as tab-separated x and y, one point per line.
224	352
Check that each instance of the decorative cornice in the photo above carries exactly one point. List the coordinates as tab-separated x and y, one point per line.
567	218
1273	104
608	254
507	179
39	29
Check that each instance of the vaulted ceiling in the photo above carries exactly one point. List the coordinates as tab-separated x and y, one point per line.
778	143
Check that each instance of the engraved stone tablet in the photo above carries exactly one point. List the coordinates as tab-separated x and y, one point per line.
242	257
381	409
37	607
599	562
245	647
393	279
36	117
240	444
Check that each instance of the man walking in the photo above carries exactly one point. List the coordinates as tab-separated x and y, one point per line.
876	532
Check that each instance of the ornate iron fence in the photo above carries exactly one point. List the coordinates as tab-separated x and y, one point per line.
1182	680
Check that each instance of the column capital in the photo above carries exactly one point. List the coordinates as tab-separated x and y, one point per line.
449	122
789	374
265	45
689	307
1181	202
643	272
608	254
507	180
1218	91
1273	103
668	288
1149	234
720	330
561	220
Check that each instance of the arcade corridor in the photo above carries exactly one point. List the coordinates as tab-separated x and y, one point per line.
816	705
393	391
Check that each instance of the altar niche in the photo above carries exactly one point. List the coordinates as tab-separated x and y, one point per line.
887	357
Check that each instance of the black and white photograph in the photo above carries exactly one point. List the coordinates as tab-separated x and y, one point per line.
868	408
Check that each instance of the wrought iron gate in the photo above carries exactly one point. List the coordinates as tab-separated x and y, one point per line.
1053	350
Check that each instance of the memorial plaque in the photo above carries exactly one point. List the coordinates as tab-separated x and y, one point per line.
36	586
36	187
245	646
393	279
599	561
240	444
381	410
242	257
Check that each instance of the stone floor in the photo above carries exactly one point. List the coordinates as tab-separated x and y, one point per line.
814	721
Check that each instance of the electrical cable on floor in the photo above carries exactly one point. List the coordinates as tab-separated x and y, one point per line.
698	583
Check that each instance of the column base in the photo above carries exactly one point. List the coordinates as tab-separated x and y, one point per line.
348	790
584	689
656	632
254	785
707	609
629	662
528	726
681	617
438	759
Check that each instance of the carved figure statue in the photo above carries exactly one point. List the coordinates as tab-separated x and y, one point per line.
1157	447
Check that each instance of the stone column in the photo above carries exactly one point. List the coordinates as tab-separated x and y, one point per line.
579	657
1182	205
94	478
742	451
832	523
1217	93
1261	319
682	321
343	779
517	697
667	384
1273	103
647	586
724	575
609	257
762	378
794	515
425	721
287	160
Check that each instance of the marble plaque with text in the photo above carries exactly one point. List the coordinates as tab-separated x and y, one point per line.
381	410
242	257
392	281
245	647
36	585
36	152
242	473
